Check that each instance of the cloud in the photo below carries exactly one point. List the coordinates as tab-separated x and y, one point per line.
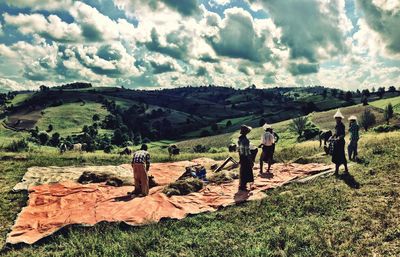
176	44
134	7
383	16
303	68
51	27
40	4
311	29
237	38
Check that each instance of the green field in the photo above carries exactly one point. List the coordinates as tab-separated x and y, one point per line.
395	101
327	217
69	119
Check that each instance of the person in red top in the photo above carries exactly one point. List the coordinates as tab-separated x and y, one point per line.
141	166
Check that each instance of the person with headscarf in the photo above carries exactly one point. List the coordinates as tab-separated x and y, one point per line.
268	147
354	129
338	155
245	158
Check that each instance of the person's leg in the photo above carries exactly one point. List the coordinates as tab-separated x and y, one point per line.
337	169
145	183
345	166
355	150
350	150
261	164
136	176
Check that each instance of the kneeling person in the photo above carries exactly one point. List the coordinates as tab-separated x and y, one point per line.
141	166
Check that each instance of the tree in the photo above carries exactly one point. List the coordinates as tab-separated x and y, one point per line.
43	137
298	125
366	93
381	92
334	92
388	113
205	133
55	139
367	119
392	89
348	97
214	127
228	123
364	100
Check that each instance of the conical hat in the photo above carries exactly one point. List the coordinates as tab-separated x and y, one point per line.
338	114
266	126
352	117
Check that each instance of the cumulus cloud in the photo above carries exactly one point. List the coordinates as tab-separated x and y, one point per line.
40	4
311	29
186	8
51	27
383	16
237	38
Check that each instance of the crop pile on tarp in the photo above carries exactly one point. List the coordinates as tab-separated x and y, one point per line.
54	206
183	187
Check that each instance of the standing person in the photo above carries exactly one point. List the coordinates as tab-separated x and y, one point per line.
338	156
268	146
141	166
245	157
354	129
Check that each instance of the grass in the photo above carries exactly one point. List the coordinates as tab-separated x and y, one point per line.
19	98
384	102
327	217
69	118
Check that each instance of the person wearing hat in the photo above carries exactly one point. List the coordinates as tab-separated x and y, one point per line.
338	156
354	129
268	147
245	158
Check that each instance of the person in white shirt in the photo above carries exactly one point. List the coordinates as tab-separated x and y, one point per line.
267	144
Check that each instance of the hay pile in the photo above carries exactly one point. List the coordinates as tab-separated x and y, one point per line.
184	187
89	177
221	178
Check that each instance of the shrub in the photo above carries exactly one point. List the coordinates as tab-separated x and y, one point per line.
388	113
298	125
205	133
200	149
386	128
55	139
311	131
367	119
108	148
17	146
43	137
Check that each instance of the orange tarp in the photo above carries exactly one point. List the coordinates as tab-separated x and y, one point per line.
54	206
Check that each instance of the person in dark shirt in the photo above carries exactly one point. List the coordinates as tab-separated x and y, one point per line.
246	159
338	156
141	166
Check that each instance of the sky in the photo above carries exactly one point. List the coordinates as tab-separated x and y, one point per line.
148	44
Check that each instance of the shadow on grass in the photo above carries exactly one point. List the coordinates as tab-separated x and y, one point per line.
349	180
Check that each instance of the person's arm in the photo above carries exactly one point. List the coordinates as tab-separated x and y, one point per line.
148	162
276	137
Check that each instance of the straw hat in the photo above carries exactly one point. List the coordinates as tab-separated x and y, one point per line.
244	129
352	117
266	126
338	115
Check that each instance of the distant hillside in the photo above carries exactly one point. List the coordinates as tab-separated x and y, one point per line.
181	113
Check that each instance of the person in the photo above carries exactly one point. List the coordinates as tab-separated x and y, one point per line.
354	129
267	144
141	167
245	159
338	155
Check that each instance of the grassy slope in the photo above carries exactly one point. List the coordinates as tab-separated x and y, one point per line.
70	118
384	102
326	217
